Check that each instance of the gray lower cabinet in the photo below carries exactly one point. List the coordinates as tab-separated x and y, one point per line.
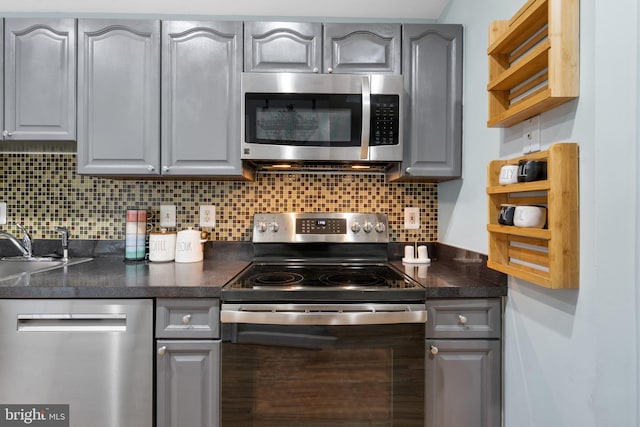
118	97
432	70
188	376
188	362
39	79
271	46
313	47
201	66
463	367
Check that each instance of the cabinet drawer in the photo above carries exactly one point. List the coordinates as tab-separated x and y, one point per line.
188	318
465	318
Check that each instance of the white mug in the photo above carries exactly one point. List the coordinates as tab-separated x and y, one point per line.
530	216
508	174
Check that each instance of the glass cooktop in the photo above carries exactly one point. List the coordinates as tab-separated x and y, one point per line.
322	277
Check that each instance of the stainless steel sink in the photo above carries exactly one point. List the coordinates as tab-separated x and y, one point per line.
17	266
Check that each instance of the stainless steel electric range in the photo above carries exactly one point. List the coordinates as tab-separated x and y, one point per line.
320	330
322	257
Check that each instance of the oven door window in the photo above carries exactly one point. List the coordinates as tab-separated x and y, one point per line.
323	376
310	120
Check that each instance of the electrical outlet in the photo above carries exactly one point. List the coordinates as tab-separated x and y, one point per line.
207	216
531	135
167	216
3	213
412	218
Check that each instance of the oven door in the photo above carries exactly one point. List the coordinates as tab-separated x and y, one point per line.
323	366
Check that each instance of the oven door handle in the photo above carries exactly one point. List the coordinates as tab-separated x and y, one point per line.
366	117
323	314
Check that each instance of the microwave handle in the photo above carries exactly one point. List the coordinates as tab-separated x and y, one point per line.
366	117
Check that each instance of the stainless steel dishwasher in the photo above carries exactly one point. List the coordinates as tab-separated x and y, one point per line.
93	355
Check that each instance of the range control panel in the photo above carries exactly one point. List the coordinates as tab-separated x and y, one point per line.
321	226
300	227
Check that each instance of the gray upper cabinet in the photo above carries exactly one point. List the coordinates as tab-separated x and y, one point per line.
306	46
39	79
361	48
432	64
282	47
118	97
201	66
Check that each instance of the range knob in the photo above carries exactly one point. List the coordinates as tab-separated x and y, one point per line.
274	226
380	227
262	227
355	227
367	227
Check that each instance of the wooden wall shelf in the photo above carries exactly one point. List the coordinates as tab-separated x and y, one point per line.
549	257
533	61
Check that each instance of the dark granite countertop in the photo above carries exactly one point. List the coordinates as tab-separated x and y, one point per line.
453	273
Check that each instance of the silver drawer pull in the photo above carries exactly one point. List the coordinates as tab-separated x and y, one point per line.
462	319
162	350
186	319
433	350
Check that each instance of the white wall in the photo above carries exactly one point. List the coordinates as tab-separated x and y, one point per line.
571	357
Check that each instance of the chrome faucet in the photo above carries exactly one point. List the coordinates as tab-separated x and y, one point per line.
24	245
64	236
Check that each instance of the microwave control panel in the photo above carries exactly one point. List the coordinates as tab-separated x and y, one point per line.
385	120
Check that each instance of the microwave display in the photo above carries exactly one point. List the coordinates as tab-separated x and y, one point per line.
319	120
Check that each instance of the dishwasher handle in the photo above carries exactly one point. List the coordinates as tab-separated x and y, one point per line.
65	322
323	314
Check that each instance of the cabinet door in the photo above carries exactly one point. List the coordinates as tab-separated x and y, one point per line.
40	79
463	380
361	48
282	47
201	66
118	97
188	383
432	64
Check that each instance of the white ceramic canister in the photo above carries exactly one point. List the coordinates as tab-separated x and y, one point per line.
189	246
162	246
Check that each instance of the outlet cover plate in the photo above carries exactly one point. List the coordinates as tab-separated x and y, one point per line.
167	216
207	216
411	218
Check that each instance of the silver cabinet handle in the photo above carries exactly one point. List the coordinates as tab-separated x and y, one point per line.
315	69
150	168
7	134
186	319
407	171
329	70
462	319
166	169
433	350
366	117
162	350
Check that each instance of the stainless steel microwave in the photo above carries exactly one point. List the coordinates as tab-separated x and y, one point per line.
321	117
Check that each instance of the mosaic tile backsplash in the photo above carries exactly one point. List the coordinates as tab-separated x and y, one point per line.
43	191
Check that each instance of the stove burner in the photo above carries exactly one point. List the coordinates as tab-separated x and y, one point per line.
277	278
353	279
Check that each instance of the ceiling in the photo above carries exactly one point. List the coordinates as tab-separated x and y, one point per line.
340	9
